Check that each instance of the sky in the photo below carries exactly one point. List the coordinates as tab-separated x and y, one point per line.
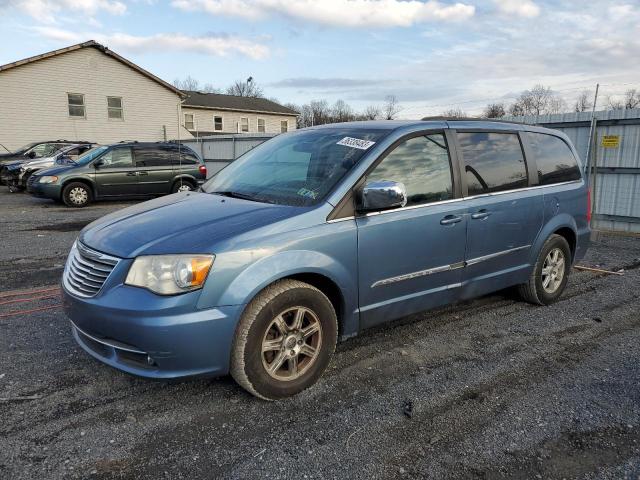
432	55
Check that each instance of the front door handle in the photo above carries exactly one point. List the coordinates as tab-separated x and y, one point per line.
450	220
132	174
480	215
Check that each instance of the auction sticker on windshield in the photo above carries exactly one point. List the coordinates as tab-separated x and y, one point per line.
355	143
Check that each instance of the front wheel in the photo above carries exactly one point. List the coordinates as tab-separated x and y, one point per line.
549	277
284	340
76	194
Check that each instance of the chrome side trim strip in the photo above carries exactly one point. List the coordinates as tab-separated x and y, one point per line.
421	273
445	268
476	260
112	344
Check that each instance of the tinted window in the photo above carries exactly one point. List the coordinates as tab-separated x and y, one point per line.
153	157
554	159
299	168
422	164
493	162
117	158
187	158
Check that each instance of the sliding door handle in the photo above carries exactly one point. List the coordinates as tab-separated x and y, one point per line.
480	215
450	220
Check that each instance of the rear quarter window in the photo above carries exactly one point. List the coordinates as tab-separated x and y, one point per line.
554	159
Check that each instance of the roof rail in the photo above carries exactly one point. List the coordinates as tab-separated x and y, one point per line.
467	119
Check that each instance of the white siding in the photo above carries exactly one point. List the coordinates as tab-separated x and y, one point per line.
203	119
33	101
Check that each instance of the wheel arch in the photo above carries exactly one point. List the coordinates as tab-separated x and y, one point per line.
86	181
314	268
563	225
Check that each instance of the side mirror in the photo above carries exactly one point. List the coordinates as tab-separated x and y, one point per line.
382	195
31	155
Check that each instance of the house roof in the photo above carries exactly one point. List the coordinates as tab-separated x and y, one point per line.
103	49
219	101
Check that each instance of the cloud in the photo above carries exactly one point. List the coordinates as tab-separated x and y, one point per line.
521	8
340	13
45	11
324	83
214	44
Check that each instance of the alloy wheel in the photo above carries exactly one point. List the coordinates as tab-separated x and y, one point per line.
291	343
553	270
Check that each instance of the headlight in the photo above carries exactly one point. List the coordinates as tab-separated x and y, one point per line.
169	274
48	179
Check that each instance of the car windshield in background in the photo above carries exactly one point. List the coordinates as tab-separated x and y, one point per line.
297	169
89	155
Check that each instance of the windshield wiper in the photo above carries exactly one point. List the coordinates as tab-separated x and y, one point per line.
239	195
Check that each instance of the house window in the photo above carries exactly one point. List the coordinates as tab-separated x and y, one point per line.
244	124
76	105
261	125
284	126
114	108
217	124
188	121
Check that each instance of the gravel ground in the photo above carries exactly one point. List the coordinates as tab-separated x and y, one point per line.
492	388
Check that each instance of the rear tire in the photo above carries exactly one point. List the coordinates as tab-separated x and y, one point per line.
284	340
77	195
182	186
550	273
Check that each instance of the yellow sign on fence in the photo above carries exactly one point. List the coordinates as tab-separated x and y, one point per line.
610	141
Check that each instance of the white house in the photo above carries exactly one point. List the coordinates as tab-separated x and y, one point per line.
213	113
85	92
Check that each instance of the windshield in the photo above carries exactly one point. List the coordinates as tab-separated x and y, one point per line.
26	147
298	168
89	155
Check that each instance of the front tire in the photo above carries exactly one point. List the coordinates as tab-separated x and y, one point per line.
550	273
77	195
284	340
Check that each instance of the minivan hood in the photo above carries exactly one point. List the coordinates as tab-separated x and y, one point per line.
56	170
187	222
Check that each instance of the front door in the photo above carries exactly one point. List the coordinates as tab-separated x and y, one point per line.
504	216
411	258
116	174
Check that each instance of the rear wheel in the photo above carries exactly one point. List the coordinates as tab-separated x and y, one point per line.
76	194
284	340
549	277
182	186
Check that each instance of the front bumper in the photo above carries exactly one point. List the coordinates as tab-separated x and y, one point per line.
46	190
144	334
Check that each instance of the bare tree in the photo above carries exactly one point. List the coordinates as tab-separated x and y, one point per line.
342	112
630	99
209	88
372	112
390	108
494	110
188	83
247	88
455	112
540	100
583	103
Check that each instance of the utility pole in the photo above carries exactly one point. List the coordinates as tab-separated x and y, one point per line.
587	159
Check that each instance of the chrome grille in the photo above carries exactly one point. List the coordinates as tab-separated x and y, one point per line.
87	270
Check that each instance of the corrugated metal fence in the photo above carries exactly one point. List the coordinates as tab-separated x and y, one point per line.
220	150
616	155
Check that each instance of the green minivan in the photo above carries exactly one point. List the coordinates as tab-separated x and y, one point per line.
131	169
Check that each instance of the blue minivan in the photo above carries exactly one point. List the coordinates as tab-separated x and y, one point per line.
318	234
